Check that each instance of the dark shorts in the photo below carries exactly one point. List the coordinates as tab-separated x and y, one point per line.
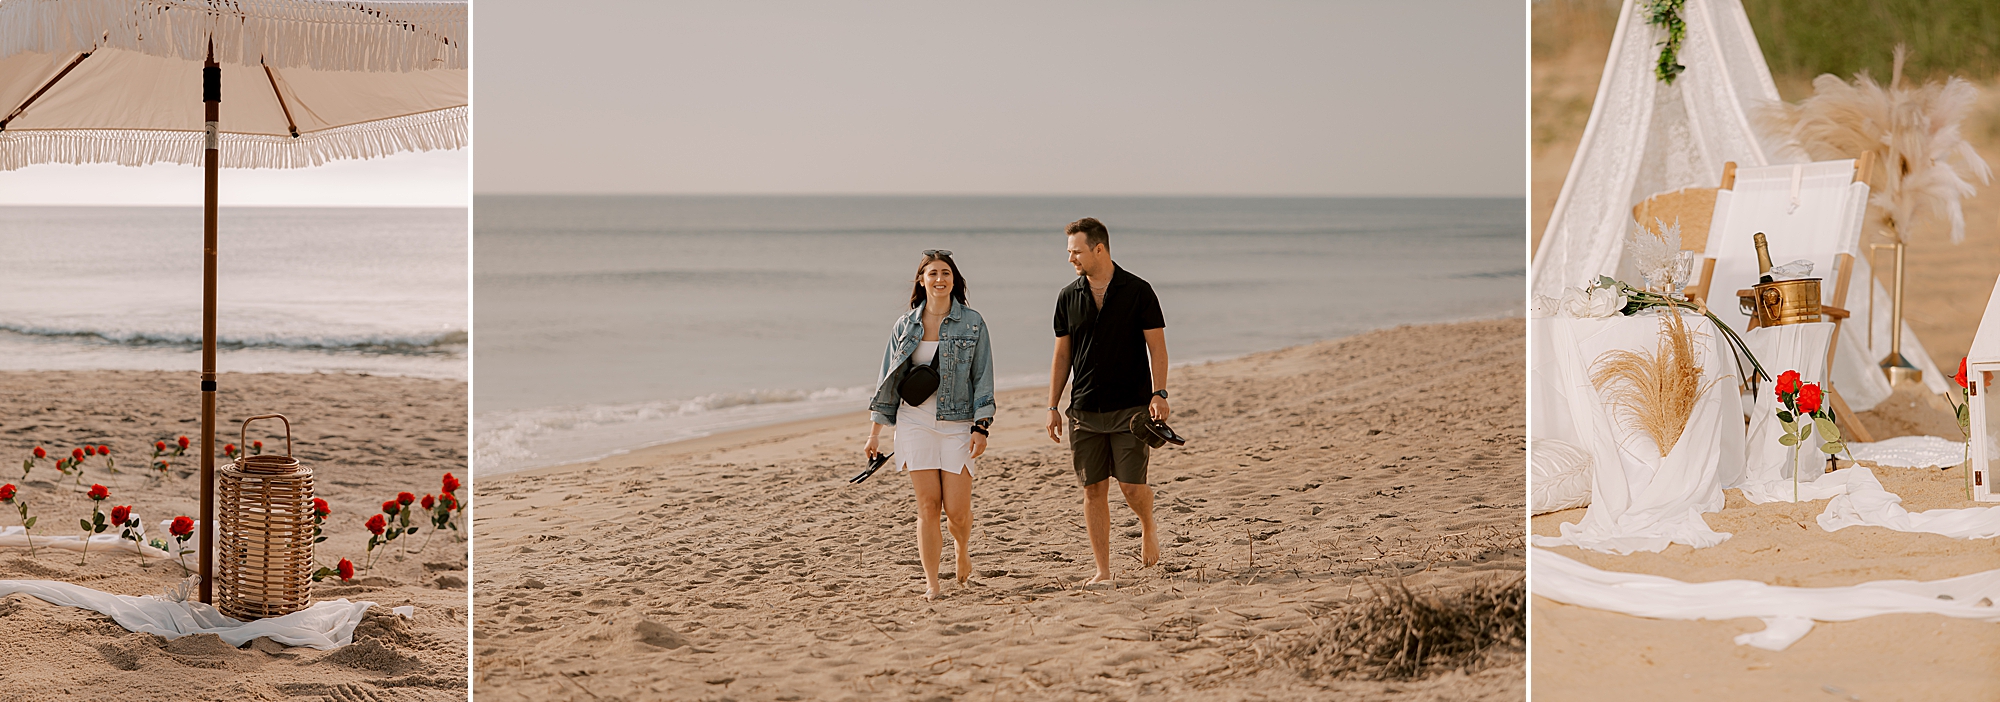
1102	445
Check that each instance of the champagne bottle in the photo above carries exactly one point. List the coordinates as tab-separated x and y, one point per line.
1763	260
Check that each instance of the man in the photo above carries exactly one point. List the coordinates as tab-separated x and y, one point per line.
1110	337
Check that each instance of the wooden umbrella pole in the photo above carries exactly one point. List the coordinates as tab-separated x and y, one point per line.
211	96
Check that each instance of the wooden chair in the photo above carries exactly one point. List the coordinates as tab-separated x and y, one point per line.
1693	209
1833	306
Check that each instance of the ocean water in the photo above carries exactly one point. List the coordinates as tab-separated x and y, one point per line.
608	323
372	290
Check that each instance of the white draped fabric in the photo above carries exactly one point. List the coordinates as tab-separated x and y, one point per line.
1799	347
1911	452
325	625
1787	612
1647	137
1639	500
72	540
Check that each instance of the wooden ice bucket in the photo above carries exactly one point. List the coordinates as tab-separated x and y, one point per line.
266	545
1782	302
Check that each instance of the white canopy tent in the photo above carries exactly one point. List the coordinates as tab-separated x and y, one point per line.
1646	137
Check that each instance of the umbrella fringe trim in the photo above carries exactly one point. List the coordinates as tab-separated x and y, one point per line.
328	35
426	131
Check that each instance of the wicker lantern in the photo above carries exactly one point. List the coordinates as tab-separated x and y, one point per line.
1982	369
265	550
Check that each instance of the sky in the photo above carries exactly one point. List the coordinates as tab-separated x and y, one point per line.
1322	97
427	179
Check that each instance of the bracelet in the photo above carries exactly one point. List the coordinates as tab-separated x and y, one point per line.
976	429
1052	409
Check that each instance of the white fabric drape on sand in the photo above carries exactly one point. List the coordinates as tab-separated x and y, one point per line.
325	625
1788	612
1639	501
1911	452
47	537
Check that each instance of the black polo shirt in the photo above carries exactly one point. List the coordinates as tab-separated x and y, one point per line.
1108	364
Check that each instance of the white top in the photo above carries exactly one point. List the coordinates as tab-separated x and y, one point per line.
923	442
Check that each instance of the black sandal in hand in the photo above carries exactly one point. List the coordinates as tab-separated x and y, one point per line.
873	463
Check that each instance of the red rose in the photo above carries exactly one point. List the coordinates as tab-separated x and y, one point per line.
449	501
1809	398
1961	373
89	450
450	483
229	450
183	442
345	569
320	508
39	453
99	492
259	445
7	492
182	526
1788	383
120	514
405	498
429	502
103	450
391	507
377	523
159	446
76	453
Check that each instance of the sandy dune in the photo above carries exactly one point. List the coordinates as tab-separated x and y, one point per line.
366	438
745	566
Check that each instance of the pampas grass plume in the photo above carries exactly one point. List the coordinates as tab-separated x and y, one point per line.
1654	391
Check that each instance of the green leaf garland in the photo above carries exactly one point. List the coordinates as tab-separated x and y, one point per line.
1666	14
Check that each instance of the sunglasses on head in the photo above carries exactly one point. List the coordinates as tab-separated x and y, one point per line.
937	252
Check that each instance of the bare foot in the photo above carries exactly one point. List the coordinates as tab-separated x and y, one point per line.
964	567
1097	579
1149	552
932	593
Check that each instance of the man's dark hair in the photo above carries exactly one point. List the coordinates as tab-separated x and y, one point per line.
1093	232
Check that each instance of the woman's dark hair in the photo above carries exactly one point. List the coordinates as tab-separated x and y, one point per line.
957	280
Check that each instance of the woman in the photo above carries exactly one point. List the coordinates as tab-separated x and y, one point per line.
937	436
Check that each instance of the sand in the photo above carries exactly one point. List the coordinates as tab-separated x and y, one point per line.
366	438
745	566
1586	654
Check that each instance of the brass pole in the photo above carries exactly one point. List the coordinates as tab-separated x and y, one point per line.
211	96
1898	369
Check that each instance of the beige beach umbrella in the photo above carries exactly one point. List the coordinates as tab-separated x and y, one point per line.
236	84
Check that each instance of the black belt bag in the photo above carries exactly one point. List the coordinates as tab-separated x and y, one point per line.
919	382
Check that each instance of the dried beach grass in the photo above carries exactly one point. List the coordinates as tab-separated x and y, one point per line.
1655	391
1914	131
1402	634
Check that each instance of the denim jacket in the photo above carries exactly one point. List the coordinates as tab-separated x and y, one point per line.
965	366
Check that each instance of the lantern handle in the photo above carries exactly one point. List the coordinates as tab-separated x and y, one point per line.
243	436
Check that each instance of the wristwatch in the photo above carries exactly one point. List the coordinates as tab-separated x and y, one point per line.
1161	393
1052	409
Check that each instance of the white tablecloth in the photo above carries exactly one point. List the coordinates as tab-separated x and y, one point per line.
1799	347
1640	501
